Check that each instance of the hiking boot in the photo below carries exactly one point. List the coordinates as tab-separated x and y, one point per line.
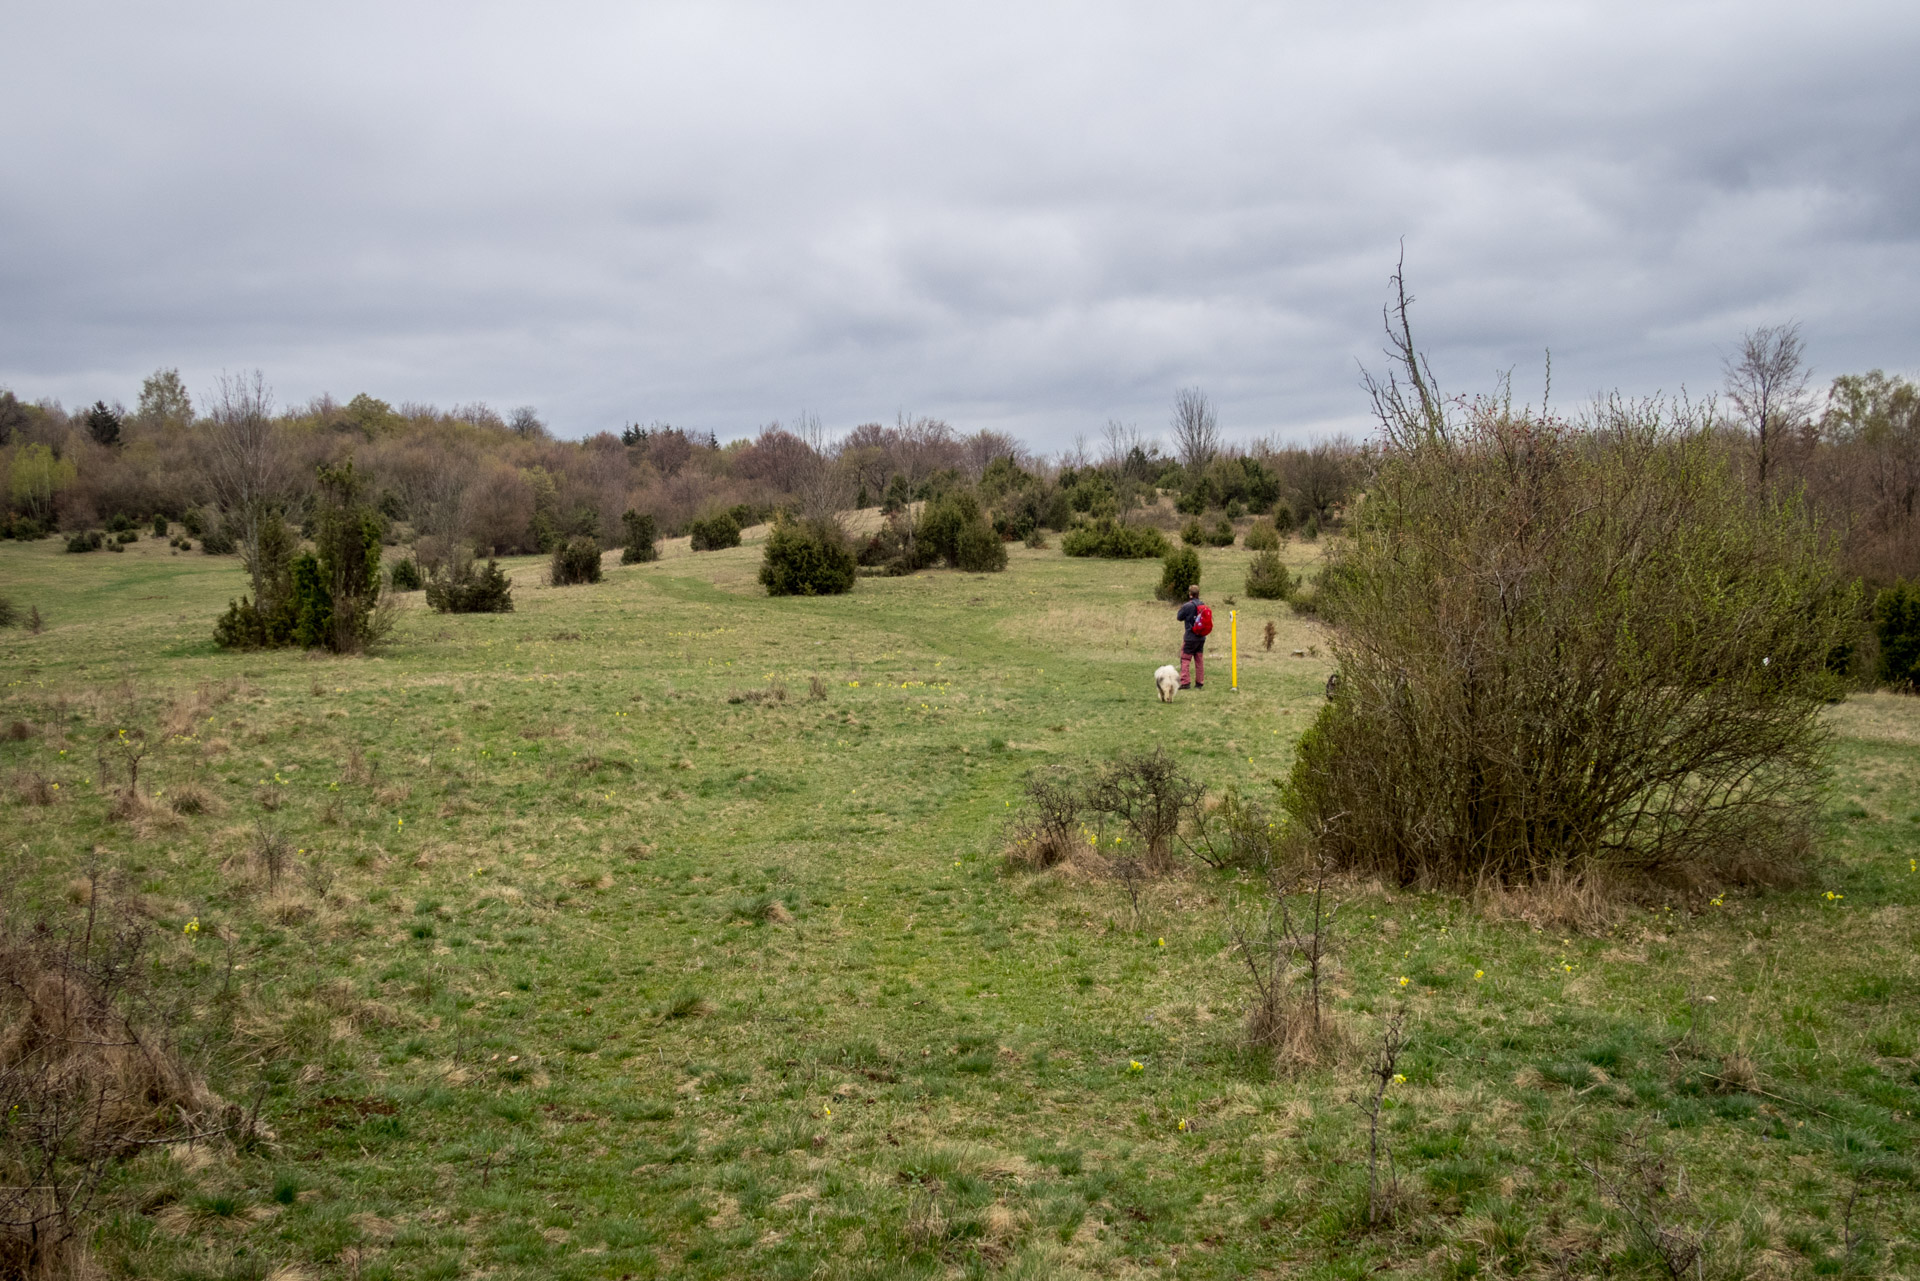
1186	686
1199	684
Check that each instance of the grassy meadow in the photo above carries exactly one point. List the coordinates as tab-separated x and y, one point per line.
659	928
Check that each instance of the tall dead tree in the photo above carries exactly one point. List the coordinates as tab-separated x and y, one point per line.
1196	428
1767	381
243	459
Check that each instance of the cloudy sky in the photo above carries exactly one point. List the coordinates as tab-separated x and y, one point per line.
1034	217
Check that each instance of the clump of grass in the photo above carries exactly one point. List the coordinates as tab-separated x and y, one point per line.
769	908
774	693
31	787
687	1004
190	799
1288	951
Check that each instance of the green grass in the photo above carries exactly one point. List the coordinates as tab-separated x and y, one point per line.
524	1005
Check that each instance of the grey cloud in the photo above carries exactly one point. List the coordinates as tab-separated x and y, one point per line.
1031	218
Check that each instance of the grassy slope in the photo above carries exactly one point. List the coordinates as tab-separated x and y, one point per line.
523	1014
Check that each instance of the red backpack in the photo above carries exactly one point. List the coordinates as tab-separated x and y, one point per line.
1203	621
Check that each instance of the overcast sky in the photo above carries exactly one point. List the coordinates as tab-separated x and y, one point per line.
1030	217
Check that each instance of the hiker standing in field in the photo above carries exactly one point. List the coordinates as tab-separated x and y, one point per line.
1198	619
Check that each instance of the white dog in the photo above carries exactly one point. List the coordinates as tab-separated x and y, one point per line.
1167	680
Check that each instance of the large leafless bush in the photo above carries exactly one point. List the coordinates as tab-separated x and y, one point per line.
1582	648
92	1070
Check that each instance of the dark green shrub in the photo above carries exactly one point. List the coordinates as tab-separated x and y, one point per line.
159	526
954	528
893	548
469	589
1091	492
1592	653
337	604
126	536
9	613
1283	518
641	545
1310	530
1110	539
898	495
311	604
86	540
1196	497
1179	571
323	599
217	541
243	626
940	523
1262	537
1192	535
119	522
715	532
807	558
1267	578
1221	535
1037	539
191	522
981	551
575	561
405	576
1896	621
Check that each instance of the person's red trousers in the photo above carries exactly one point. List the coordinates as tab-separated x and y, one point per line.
1199	662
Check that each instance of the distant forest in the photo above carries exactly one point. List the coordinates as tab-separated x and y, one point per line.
472	479
504	485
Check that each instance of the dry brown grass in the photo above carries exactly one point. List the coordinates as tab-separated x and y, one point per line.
187	714
31	787
1561	900
143	814
1033	846
1287	1028
1739	1072
191	799
83	1082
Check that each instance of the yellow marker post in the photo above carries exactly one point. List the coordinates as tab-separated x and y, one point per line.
1233	640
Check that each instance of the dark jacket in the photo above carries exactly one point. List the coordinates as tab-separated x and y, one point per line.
1186	614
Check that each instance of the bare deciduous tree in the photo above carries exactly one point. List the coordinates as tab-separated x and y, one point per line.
1196	428
986	445
243	460
1767	381
821	488
1122	439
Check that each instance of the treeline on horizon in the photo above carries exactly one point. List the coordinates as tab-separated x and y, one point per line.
470	481
495	485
